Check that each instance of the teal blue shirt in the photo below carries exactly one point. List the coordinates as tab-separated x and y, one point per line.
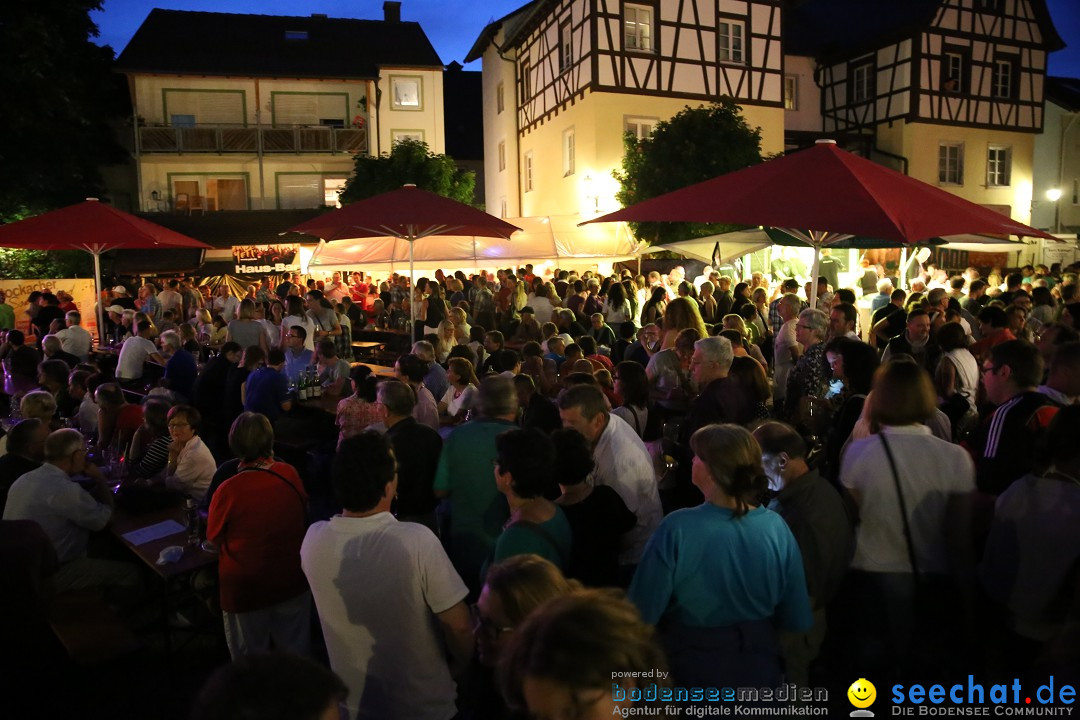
524	540
478	510
703	567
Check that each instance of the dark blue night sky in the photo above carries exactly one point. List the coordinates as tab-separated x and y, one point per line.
453	26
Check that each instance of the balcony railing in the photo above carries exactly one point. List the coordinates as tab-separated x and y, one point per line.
223	139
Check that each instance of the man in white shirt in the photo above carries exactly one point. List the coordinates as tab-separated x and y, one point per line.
622	463
335	290
74	338
68	513
786	348
387	596
225	304
135	351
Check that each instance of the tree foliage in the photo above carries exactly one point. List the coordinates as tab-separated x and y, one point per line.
60	98
696	145
410	161
45	264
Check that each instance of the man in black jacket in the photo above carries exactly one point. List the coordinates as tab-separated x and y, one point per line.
416	449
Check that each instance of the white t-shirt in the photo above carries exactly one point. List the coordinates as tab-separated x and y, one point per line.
133	353
226	307
378	584
76	340
461	403
782	362
542	307
195	468
623	464
930	470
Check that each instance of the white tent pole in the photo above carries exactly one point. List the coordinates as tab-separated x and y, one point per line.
96	252
903	267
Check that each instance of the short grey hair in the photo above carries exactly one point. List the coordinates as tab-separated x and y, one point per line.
705	285
716	349
497	397
815	321
73	317
39	404
62	443
423	350
397	397
50	344
171	338
884	285
792	301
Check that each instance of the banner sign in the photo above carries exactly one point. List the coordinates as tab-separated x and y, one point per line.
82	293
260	259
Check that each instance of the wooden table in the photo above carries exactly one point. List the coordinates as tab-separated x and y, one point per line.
194	558
174	577
366	344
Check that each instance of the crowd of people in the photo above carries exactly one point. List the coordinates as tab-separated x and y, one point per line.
568	476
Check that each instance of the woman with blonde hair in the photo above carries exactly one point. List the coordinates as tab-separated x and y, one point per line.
204	324
681	313
461	325
721	578
447	339
245	330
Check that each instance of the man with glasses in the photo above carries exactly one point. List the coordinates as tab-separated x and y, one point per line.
68	514
297	357
1004	445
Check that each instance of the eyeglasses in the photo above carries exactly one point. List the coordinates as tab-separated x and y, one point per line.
485	625
992	368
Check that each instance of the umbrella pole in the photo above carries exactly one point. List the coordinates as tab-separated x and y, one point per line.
814	274
412	293
99	311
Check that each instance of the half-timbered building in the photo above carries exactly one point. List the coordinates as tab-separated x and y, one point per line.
949	91
565	79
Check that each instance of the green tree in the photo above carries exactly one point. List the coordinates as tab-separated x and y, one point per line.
60	98
695	145
45	264
410	161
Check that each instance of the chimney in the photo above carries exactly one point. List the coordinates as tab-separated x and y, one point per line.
391	11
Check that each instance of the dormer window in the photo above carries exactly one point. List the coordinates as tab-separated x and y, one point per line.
296	35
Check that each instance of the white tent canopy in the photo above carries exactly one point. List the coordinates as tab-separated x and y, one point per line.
555	238
732	245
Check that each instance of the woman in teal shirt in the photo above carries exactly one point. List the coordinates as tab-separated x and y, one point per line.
523	463
719	579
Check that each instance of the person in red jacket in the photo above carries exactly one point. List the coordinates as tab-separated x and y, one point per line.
257	520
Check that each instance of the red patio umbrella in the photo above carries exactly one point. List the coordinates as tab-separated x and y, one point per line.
94	227
408	213
836	193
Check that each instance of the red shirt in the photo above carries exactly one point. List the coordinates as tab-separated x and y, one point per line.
258	522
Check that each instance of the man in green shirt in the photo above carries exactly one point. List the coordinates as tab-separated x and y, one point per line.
7	314
466	476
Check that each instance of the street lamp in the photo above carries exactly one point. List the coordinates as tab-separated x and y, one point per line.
1053	195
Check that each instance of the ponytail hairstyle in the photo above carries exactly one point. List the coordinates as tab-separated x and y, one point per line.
733	457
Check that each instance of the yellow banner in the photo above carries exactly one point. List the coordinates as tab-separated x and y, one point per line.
17	292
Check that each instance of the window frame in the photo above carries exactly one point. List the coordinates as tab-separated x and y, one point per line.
793	80
527	172
402	79
502	155
993	176
526	81
867	86
500	98
650	10
724	29
963	54
944	172
639	121
569	152
1005	60
566	45
399	134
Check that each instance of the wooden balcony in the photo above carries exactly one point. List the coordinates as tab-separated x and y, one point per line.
223	139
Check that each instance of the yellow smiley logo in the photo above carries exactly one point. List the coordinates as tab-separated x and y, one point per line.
862	693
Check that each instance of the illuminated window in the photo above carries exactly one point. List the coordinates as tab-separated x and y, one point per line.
998	166
568	152
638	27
731	42
791	92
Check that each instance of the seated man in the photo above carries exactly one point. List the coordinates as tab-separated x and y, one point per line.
25	451
68	514
135	351
382	589
268	389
